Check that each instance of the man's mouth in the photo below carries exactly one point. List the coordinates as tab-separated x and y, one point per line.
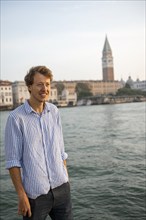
43	95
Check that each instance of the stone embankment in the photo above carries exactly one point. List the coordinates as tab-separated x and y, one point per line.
99	100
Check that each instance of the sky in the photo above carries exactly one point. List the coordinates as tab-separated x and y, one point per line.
68	37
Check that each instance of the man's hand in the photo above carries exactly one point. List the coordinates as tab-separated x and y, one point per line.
24	205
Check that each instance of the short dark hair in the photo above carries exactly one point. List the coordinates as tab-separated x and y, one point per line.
29	78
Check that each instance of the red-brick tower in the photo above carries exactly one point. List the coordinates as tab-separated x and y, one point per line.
107	62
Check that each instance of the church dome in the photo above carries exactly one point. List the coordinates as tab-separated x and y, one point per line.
130	81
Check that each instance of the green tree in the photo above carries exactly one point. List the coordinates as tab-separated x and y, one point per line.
83	90
129	91
127	86
60	87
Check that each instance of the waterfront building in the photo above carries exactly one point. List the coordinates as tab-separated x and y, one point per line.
6	97
97	87
107	62
69	96
20	93
122	82
104	88
70	86
140	85
53	96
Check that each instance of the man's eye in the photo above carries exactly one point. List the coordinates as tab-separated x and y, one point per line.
41	85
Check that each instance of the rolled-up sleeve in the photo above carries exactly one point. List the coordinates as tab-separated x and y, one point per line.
13	143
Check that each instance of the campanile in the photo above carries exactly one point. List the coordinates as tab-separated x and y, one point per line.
107	62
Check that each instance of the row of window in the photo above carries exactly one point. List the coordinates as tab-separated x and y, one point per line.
6	100
6	94
104	86
53	93
23	90
107	61
141	86
5	88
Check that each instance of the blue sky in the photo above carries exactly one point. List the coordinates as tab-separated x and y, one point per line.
68	37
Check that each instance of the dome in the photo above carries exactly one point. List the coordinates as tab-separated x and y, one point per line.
130	81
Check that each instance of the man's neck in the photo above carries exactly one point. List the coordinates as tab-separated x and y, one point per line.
38	107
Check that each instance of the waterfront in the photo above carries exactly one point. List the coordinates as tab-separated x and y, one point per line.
106	147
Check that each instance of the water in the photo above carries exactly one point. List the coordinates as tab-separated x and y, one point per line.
106	164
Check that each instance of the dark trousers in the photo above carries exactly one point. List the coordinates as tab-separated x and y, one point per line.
56	204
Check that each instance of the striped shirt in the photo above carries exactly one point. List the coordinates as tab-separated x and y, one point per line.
34	142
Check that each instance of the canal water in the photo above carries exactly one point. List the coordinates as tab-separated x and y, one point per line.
106	164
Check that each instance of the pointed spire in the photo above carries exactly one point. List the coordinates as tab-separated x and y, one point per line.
106	47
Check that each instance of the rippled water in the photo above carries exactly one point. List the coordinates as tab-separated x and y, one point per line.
106	164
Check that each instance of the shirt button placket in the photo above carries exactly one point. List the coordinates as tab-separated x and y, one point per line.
44	146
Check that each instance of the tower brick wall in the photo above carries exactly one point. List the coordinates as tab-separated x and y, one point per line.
108	74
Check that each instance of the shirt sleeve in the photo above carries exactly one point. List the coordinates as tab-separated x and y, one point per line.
63	153
13	143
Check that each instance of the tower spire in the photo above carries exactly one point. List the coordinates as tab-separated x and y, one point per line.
107	47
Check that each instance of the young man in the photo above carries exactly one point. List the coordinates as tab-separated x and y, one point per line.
35	153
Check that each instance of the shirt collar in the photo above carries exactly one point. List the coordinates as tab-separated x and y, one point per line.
29	109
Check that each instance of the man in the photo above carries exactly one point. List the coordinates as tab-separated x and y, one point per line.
35	153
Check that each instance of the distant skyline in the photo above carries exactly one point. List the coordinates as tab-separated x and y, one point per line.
68	37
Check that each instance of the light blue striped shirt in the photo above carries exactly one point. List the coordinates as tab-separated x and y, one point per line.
35	143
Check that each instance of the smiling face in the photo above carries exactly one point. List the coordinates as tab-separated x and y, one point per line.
39	90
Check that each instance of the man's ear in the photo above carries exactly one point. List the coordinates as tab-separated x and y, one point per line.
29	89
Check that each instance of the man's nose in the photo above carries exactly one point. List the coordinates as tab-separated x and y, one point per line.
44	87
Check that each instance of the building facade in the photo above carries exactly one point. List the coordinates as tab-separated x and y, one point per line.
105	88
6	97
70	97
97	87
20	93
53	96
140	85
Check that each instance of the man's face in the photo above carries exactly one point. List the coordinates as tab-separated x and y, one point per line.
39	90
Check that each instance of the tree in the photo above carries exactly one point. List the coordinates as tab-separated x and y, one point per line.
127	86
60	87
83	90
129	91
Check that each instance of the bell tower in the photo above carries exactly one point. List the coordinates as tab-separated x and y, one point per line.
107	62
